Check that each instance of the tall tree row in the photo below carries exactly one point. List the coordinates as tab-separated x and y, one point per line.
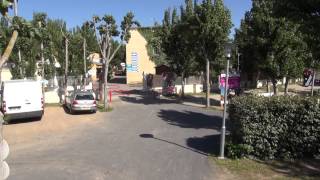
271	45
41	42
194	39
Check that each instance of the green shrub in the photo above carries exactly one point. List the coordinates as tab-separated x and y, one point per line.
277	127
237	151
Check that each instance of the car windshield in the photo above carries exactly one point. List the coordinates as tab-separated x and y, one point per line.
84	97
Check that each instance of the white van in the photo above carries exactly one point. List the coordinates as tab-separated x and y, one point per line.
22	99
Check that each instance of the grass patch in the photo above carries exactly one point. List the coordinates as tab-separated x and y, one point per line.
247	169
101	108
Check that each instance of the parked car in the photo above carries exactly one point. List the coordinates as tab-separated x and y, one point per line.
22	99
81	101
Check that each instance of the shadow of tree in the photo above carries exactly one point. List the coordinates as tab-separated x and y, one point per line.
151	136
200	100
146	98
207	144
189	119
301	168
118	80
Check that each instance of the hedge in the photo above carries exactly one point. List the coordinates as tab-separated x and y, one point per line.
286	127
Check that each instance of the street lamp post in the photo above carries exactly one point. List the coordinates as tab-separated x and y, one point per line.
239	54
223	128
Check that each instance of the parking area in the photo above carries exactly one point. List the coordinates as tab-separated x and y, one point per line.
142	138
54	121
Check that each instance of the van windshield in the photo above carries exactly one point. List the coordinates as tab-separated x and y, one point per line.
84	97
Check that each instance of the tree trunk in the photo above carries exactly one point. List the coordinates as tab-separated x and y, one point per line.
208	83
105	78
105	91
274	84
182	85
84	64
286	90
42	60
107	53
257	78
20	62
4	58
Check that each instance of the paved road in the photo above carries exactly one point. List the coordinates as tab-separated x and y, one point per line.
142	139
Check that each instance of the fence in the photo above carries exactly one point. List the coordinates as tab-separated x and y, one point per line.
192	84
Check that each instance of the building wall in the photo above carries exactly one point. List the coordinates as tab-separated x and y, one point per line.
136	49
6	74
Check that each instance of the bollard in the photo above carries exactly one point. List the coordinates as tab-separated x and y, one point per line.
110	96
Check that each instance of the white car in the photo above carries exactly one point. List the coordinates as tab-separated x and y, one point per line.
81	101
22	99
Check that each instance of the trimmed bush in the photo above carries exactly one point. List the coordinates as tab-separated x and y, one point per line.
286	127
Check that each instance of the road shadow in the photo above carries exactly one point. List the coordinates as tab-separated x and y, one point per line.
189	119
301	168
208	144
118	80
146	98
200	100
151	136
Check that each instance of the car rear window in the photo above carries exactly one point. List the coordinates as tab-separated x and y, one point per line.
84	97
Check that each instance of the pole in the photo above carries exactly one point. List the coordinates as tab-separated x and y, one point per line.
238	62
42	58
84	63
208	83
313	79
42	61
223	129
67	63
15	4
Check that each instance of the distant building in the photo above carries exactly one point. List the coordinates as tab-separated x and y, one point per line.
6	74
96	66
138	63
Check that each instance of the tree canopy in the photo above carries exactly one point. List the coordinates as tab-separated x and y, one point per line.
271	44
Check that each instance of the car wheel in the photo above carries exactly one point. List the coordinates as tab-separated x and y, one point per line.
71	111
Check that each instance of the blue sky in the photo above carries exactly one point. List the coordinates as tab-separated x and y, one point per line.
75	12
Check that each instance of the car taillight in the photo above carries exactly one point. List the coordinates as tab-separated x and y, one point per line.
94	102
4	106
75	102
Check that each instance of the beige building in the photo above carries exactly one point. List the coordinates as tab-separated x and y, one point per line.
6	74
138	62
96	66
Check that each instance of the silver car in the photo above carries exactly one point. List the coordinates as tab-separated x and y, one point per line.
81	101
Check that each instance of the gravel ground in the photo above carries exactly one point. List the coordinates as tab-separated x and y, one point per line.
141	139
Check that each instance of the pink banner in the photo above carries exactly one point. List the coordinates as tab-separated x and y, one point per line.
233	82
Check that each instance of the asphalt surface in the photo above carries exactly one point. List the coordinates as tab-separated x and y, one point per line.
141	139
